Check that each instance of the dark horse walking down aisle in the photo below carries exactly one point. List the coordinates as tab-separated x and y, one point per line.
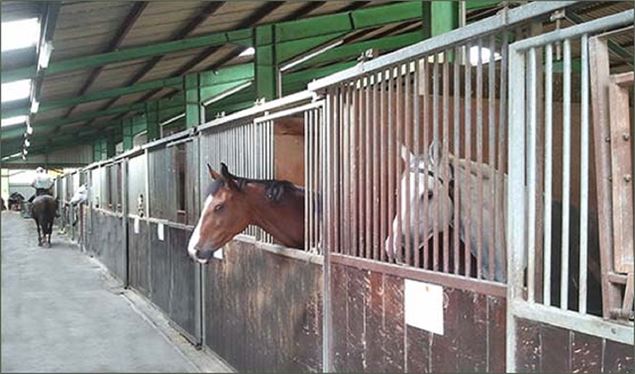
232	203
43	212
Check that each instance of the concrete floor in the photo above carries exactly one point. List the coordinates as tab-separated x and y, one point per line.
62	312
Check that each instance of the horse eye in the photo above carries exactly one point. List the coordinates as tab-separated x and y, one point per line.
430	194
218	208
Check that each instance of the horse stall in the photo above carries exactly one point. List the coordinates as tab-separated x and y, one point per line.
424	212
262	303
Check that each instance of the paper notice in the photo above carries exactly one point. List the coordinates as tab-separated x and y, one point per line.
424	306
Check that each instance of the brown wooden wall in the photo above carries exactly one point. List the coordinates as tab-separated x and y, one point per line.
546	348
369	332
289	149
264	310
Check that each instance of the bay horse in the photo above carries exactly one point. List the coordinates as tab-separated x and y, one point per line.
43	211
426	170
232	203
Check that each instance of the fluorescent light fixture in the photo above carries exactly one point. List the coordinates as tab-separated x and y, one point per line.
27	143
25	151
485	55
247	52
228	93
45	55
14	120
20	34
29	129
35	106
16	90
170	120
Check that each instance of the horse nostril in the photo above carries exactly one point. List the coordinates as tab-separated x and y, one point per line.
203	255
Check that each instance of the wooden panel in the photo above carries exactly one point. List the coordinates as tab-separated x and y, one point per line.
528	349
374	337
138	257
182	304
263	310
159	268
586	353
556	349
622	173
289	149
497	329
618	358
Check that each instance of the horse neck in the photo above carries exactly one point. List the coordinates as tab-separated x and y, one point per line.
284	219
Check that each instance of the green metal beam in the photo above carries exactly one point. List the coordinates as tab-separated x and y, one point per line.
228	74
347	22
193	107
216	39
480	4
152	120
265	60
353	50
126	129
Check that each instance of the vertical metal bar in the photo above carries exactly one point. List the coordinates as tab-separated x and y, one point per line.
311	167
435	156
416	123
566	172
479	159
376	161
426	124
391	163
445	157
404	108
384	220
468	157
398	120
531	178
347	170
368	129
354	167
456	91
546	296
515	223
584	171
327	364
491	133
307	196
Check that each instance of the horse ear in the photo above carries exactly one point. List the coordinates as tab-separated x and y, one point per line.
433	152
405	153
212	173
229	179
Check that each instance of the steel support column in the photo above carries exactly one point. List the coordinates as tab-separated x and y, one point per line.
266	68
193	108
152	120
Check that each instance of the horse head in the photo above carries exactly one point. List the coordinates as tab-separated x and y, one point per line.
417	195
225	214
80	196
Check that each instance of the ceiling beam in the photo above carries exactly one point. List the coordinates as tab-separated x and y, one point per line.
203	15
115	43
249	22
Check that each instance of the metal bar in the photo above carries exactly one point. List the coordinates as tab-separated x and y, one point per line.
384	220
614	21
307	170
435	156
468	156
584	172
548	173
515	207
456	149
391	163
346	111
566	171
445	157
491	132
376	201
479	159
531	177
367	168
358	164
407	142
416	133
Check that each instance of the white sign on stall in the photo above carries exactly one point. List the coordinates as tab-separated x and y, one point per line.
160	231
423	306
136	225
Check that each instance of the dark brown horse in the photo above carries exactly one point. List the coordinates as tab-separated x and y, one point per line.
43	211
232	203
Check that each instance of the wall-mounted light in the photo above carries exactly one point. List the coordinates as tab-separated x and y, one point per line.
27	143
247	52
24	152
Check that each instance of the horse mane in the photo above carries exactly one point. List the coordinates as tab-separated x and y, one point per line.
275	189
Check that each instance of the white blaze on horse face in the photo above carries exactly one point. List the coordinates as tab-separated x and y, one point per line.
196	234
